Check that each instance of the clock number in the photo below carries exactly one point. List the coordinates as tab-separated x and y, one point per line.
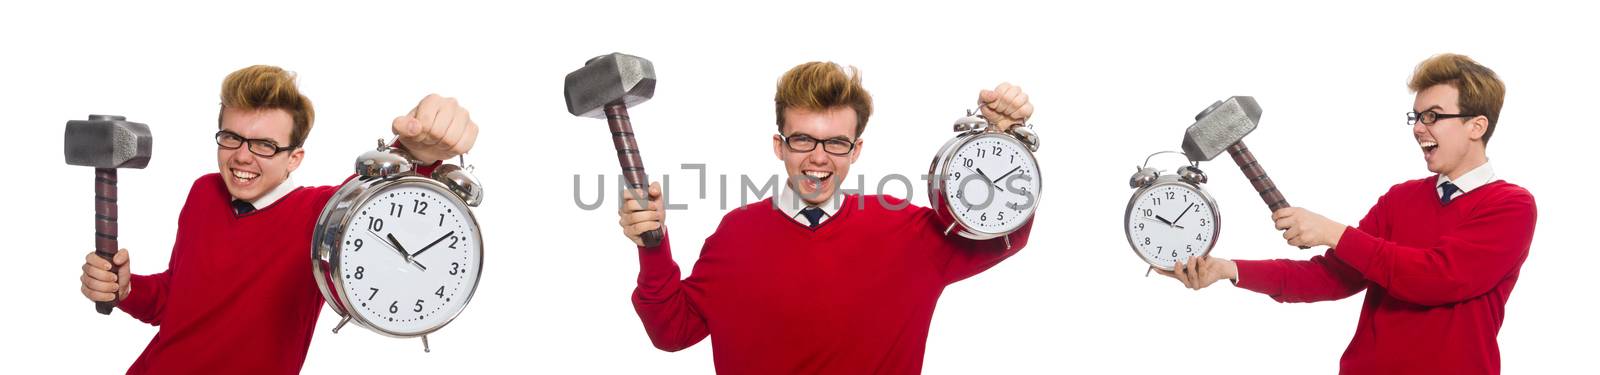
396	209
418	305
1189	248
1000	215
359	272
968	162
441	220
453	241
358	244
1140	226
1197	237
996	150
375	224
394	307
1013	158
1173	195
454	268
982	153
439	292
419	207
374	293
983	216
957	175
1196	207
1148	212
1174	253
1147	241
1202	222
1156	200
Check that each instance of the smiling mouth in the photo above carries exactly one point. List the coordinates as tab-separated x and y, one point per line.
1428	146
816	179
243	176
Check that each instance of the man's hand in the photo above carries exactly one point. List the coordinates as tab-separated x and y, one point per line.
1304	228
1202	271
1004	106
438	128
99	284
637	218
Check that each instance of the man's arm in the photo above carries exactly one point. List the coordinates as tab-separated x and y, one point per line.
665	308
958	258
669	315
1466	262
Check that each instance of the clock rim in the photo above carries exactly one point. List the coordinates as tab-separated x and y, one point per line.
936	186
327	247
1164	180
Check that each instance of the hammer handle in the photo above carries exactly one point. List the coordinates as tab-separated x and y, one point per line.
1258	177
628	158
105	226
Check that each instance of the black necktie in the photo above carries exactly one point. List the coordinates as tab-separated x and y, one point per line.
1448	190
812	214
240	207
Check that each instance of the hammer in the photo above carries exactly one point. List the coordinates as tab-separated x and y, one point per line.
605	87
1222	127
107	143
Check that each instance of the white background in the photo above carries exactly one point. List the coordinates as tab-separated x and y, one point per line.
1112	83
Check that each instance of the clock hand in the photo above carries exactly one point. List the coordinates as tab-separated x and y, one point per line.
1185	212
991	180
1002	177
1165	221
435	242
402	250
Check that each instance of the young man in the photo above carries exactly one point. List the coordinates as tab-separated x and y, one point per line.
237	296
1438	256
814	282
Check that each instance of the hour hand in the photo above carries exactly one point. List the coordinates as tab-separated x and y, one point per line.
394	243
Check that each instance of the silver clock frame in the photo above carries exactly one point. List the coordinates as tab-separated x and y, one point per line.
937	183
1166	180
378	172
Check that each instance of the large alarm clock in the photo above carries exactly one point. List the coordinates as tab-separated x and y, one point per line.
1170	217
398	252
985	183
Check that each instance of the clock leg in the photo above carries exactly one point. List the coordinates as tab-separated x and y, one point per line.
425	348
341	324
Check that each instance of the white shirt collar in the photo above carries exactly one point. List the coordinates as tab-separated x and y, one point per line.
789	201
1477	177
277	193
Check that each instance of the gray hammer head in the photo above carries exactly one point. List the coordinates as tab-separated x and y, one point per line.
1220	126
105	141
609	79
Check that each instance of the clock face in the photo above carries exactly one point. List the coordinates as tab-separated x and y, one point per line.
409	259
1171	221
992	184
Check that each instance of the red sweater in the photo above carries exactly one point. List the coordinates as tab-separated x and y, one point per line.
855	295
237	296
1437	278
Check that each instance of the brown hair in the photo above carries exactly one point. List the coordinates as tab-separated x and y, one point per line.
1481	91
816	86
263	87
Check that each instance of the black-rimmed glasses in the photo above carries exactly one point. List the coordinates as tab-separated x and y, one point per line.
1429	117
805	143
265	148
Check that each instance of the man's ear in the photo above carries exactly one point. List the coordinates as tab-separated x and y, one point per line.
777	146
294	159
860	143
1477	127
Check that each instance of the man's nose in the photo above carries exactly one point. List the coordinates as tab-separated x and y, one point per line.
242	155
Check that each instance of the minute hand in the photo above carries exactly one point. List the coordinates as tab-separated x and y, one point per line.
435	242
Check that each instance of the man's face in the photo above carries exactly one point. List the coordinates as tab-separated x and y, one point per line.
1447	144
816	174
249	176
